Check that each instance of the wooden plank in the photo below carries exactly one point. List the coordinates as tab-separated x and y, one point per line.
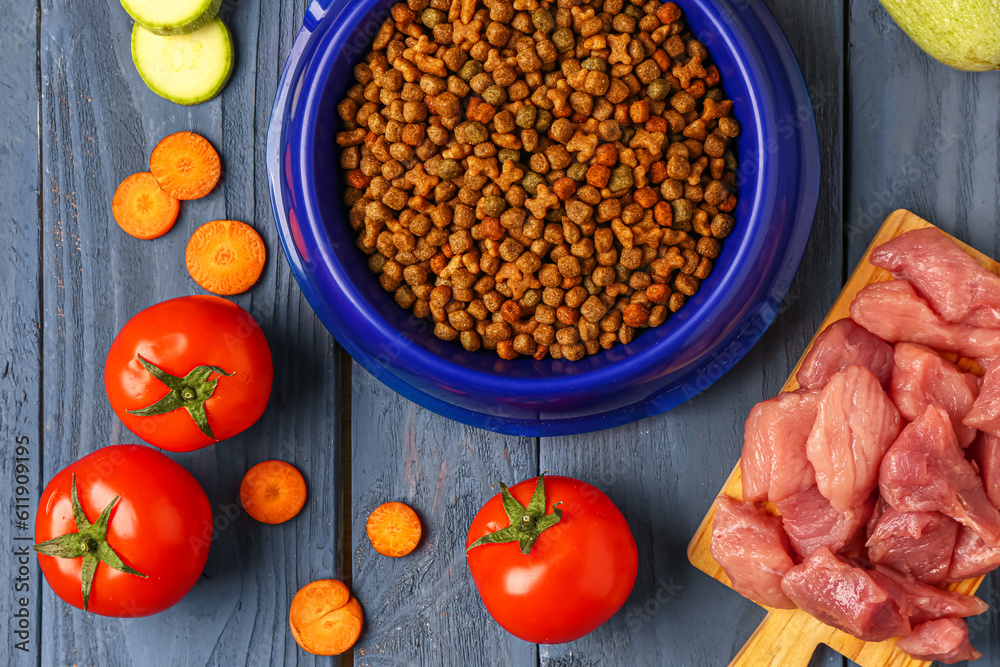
772	641
923	137
423	608
100	123
20	338
663	471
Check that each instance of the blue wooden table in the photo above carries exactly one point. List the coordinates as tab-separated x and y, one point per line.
896	129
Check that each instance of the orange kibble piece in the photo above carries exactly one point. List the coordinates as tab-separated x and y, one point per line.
142	209
185	165
273	491
325	619
394	529
225	256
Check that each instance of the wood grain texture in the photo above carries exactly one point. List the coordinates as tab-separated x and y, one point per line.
772	639
423	609
917	134
664	471
100	123
20	337
923	137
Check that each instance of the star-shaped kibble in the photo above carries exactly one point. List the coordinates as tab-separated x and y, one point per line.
619	44
584	145
466	32
423	182
511	175
543	201
692	70
486	166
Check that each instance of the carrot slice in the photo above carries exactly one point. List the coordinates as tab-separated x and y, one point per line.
393	529
273	491
225	256
325	619
142	209
186	165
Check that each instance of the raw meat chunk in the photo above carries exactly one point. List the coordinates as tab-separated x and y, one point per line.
810	522
985	412
915	543
946	639
921	378
925	471
971	557
921	602
985	454
955	285
774	463
893	312
856	423
751	547
845	596
841	345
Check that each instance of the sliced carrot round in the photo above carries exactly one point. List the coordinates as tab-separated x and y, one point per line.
393	529
325	619
185	165
273	491
141	208
225	256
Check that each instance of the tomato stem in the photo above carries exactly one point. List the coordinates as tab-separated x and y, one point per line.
90	542
189	392
526	523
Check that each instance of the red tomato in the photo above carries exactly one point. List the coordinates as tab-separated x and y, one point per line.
160	527
188	372
577	574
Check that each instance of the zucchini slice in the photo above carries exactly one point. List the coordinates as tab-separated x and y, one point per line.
186	69
176	17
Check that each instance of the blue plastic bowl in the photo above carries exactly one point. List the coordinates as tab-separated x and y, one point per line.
663	367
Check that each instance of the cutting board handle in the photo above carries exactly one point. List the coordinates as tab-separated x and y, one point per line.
775	644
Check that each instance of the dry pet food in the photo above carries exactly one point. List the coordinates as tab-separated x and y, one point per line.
539	178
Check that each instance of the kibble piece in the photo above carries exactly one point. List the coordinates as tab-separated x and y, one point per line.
563	39
621	179
722	225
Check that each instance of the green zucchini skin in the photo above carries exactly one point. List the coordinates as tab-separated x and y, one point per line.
170	73
202	12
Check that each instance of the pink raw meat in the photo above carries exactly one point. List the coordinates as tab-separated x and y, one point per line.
971	557
921	378
925	471
946	640
811	522
841	345
752	548
893	312
856	423
985	454
774	463
915	543
953	283
845	596
985	412
921	602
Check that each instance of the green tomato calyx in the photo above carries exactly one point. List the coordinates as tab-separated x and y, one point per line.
189	392
526	523
90	542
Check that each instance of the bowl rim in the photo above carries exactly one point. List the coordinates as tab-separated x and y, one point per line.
629	367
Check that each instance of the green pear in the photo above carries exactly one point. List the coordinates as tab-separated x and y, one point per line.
964	34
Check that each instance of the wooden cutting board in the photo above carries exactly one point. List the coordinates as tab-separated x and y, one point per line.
788	637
